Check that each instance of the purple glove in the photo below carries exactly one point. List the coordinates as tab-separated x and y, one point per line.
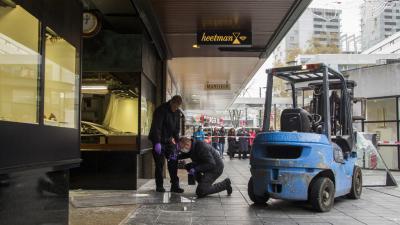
173	156
192	171
157	148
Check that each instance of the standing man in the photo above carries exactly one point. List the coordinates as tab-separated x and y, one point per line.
244	143
215	138
206	167
164	134
222	141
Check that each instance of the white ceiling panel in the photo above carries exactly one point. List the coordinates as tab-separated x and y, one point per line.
192	73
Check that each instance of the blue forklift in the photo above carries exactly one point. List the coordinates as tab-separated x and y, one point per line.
312	157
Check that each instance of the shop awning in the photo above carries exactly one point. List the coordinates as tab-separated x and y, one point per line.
174	25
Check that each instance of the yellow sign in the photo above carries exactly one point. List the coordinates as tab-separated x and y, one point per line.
224	38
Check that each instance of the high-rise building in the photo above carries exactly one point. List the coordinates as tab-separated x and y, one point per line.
378	22
316	24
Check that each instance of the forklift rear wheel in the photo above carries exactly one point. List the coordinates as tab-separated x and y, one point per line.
322	194
356	186
255	198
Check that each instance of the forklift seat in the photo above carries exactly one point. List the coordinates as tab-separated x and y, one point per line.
295	120
344	142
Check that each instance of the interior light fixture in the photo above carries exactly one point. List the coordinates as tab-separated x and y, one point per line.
195	46
94	87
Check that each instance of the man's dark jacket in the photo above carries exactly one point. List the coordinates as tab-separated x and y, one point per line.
205	157
165	125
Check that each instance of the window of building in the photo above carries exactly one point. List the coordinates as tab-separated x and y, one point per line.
61	82
388	17
292	38
332	26
388	10
319	20
319	32
390	23
388	29
330	13
381	109
397	17
317	26
334	20
383	120
19	65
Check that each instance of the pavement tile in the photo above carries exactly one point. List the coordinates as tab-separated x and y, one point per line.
377	206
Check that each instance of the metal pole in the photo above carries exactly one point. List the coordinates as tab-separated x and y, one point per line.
294	95
245	111
275	116
268	101
327	116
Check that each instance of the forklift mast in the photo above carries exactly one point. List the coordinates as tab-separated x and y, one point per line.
331	96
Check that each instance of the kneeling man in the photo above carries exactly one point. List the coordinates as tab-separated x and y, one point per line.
206	166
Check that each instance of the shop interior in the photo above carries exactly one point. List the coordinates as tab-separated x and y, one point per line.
110	103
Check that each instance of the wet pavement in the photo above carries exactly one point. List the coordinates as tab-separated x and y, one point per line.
378	205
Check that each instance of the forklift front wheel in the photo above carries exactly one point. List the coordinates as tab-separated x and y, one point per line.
322	194
356	186
255	198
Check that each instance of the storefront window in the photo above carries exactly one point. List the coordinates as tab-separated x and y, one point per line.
61	82
381	109
386	132
389	155
19	65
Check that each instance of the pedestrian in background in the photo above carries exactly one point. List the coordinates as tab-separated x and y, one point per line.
244	143
164	134
215	138
199	134
231	142
222	141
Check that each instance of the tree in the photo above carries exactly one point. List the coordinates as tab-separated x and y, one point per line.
292	53
317	47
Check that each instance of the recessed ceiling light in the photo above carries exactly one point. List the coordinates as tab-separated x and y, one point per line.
195	46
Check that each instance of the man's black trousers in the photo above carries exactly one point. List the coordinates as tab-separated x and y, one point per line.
206	180
172	165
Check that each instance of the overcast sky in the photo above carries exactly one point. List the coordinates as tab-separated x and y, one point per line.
350	24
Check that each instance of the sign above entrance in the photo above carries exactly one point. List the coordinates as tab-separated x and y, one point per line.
217	86
225	38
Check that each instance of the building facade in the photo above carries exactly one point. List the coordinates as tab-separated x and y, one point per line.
379	85
390	45
316	24
376	25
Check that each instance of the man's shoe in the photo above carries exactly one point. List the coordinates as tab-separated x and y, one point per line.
177	190
229	190
160	189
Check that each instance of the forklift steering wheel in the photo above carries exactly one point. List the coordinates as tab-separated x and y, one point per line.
316	118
